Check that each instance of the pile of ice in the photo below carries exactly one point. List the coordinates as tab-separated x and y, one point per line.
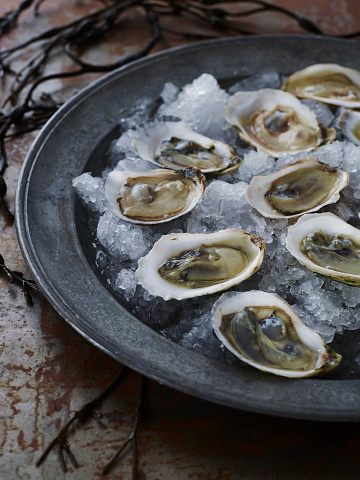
324	305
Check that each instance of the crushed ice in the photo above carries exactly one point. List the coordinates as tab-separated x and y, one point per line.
324	305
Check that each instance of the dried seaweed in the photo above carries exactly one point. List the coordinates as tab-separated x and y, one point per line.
13	276
89	410
132	438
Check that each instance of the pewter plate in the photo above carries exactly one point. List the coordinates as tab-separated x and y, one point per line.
53	230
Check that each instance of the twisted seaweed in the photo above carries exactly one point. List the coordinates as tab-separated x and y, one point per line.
89	410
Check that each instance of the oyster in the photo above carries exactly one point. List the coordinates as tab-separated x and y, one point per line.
265	331
328	83
275	122
154	196
327	245
185	265
302	187
171	143
349	122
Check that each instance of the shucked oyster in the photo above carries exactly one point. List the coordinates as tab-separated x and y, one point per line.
276	122
328	245
302	187
171	143
188	265
328	83
154	196
265	331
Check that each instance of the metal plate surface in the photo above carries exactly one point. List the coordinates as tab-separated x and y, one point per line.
53	234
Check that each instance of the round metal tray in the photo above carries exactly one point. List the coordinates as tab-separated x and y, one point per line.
53	235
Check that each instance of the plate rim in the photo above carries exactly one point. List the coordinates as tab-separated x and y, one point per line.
250	401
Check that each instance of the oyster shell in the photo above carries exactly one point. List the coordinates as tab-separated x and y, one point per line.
275	122
327	245
349	122
184	265
302	187
154	196
326	82
171	143
265	331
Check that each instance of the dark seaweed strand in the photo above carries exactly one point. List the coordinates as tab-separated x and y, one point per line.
9	19
88	410
22	116
132	438
13	276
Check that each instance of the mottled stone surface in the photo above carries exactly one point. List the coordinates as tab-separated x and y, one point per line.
48	370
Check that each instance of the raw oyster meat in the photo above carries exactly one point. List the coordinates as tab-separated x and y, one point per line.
328	83
153	196
171	143
327	245
184	265
265	331
276	122
298	188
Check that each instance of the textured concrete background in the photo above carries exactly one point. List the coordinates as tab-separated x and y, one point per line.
48	370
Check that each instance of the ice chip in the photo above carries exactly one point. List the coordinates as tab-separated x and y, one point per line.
123	240
201	105
169	92
126	282
91	190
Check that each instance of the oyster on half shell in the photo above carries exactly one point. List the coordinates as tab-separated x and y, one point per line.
327	245
264	331
276	122
153	196
185	265
171	143
326	82
298	188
